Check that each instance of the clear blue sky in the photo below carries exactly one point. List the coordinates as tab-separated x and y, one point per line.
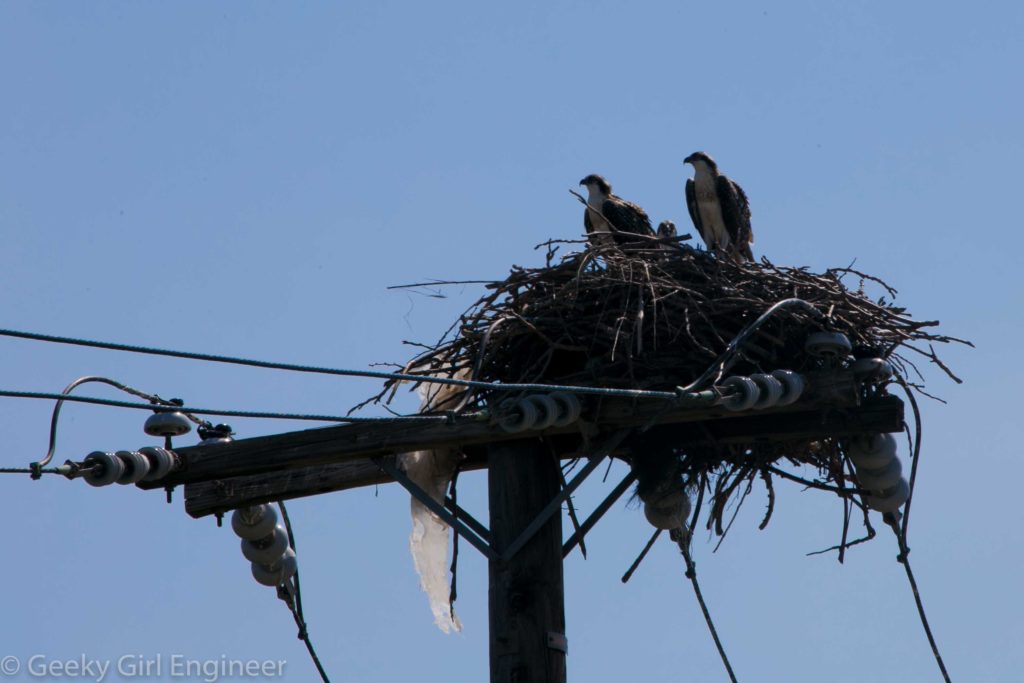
247	178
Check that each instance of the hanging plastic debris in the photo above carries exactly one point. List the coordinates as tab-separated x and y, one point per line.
432	471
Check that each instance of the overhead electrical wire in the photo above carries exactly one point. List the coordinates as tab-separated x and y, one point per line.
711	376
152	398
216	411
294	600
370	374
29	470
713	373
904	559
682	539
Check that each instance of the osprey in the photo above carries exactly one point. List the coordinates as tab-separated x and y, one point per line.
610	219
667	233
719	209
666	229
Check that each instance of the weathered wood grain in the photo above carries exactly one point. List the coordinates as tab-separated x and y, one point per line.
526	593
880	415
330	445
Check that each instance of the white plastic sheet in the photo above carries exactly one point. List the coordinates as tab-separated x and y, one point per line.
428	542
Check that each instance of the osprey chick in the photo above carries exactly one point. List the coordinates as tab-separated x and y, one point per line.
610	219
666	229
667	232
719	209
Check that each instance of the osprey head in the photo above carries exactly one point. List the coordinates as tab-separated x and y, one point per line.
666	229
701	157
595	182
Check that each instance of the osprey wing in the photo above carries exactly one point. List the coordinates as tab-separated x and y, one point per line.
587	223
626	217
736	214
691	205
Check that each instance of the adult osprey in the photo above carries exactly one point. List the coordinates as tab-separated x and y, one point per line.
610	219
719	209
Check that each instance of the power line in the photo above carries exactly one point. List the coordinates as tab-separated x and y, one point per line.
152	398
713	373
681	536
371	374
295	603
903	559
216	411
28	470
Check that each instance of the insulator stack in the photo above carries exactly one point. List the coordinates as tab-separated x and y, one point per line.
264	544
876	370
667	509
760	391
879	470
539	411
128	467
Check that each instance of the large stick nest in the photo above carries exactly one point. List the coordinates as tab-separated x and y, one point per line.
656	315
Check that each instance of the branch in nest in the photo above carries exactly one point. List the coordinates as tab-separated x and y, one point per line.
767	477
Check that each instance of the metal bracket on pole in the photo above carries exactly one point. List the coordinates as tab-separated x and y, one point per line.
595	516
556	503
387	464
558	641
479	536
460	513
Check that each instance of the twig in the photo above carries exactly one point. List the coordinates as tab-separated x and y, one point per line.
640	558
767	477
432	283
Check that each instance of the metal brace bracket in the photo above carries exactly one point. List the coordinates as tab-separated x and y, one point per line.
556	503
467	531
598	513
479	536
558	641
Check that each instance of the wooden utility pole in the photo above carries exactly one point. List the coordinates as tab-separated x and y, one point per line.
524	543
221	477
526	594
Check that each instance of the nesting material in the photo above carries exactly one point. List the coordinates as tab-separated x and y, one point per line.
656	315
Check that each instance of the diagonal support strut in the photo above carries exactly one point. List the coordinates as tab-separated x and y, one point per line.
387	464
556	503
598	513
